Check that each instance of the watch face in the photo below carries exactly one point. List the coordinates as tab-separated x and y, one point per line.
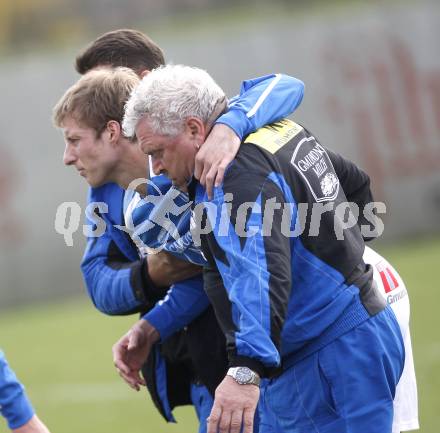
243	375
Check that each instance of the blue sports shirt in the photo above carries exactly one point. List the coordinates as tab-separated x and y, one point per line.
14	404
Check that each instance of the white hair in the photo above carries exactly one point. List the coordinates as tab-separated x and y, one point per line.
170	94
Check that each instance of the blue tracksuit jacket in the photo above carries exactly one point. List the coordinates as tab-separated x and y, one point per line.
284	276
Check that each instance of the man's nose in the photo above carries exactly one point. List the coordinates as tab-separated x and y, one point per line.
156	165
69	156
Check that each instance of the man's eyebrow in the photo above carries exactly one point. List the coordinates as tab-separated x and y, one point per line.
70	134
154	147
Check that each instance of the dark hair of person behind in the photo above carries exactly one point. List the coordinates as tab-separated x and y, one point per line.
124	47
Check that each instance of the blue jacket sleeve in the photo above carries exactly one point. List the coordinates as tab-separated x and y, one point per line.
262	101
159	218
114	284
116	279
14	404
250	276
163	222
183	303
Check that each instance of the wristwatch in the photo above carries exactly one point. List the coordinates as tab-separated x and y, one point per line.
244	376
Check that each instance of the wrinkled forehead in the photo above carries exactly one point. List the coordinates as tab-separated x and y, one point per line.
147	137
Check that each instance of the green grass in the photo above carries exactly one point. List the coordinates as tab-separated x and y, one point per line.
62	352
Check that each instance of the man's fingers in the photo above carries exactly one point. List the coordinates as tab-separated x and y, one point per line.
139	379
205	170
201	163
132	377
236	420
119	353
121	366
213	419
210	178
198	167
248	420
211	174
224	424
129	380
220	174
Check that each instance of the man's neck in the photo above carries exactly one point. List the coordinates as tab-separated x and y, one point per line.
133	166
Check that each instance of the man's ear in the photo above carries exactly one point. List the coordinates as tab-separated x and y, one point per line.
196	128
144	73
114	130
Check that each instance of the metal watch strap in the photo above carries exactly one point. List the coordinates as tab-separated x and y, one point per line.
244	376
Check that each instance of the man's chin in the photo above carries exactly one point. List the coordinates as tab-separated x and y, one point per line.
93	183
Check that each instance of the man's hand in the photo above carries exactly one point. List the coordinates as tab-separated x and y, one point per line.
218	150
165	269
234	406
132	350
34	425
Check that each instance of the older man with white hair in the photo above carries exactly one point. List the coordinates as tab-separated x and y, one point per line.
296	302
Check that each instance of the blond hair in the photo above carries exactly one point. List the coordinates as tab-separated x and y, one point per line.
96	98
